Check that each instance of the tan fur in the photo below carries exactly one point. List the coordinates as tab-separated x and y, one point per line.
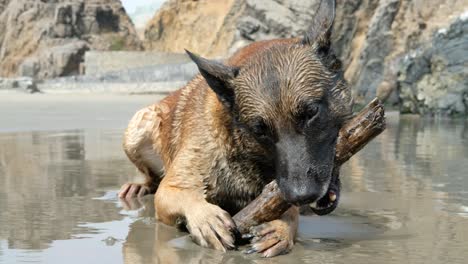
174	131
203	165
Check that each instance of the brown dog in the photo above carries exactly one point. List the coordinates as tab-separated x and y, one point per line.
271	111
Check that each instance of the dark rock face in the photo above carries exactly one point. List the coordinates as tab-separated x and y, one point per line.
378	45
275	19
347	23
434	77
270	19
57	61
48	38
378	40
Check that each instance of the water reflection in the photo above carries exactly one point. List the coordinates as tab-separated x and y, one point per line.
164	244
405	200
48	180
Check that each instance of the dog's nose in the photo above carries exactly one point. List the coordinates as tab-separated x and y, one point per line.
302	191
318	176
312	174
301	195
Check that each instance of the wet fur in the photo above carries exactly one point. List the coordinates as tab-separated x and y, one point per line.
196	146
232	166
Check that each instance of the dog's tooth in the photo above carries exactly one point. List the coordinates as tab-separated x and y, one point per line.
313	205
332	196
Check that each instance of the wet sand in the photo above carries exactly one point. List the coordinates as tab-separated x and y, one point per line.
404	199
40	112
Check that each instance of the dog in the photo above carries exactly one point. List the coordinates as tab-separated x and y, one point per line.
272	111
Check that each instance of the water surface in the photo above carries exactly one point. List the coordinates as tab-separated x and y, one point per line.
405	200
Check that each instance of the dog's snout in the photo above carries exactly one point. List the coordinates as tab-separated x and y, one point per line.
307	190
301	196
319	174
311	173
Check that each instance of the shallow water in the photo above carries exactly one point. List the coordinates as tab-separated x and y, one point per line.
405	200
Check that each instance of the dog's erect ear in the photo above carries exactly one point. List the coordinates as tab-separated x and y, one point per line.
217	75
320	30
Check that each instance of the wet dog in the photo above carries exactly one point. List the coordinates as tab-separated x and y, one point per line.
270	112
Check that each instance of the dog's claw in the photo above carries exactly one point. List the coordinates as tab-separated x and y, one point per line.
247	236
210	226
250	250
271	238
131	190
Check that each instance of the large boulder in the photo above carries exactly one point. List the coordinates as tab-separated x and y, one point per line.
47	38
61	60
207	27
217	28
374	36
434	77
378	45
22	84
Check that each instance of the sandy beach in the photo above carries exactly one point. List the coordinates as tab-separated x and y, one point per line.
46	112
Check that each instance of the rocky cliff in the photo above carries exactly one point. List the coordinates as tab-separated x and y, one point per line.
379	42
48	38
433	77
207	27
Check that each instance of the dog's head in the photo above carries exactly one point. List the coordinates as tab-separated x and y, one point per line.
292	98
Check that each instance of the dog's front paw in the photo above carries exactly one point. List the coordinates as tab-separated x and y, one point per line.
132	190
271	239
210	226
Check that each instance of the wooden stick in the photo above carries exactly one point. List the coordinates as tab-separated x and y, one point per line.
353	136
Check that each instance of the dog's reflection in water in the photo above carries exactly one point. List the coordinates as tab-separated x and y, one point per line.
150	241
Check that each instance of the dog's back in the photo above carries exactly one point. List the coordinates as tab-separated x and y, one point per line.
174	115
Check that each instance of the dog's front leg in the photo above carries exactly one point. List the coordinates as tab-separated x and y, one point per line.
275	237
180	203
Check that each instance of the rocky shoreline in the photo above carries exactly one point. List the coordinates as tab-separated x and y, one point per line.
411	54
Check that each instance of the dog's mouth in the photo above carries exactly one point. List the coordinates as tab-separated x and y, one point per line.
329	201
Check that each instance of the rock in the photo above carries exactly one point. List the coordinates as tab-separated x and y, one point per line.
46	39
372	37
282	19
385	90
378	44
223	26
434	78
57	61
249	26
396	29
23	84
3	4
110	241
207	27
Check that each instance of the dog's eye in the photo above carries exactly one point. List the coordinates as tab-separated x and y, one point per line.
311	112
307	116
260	129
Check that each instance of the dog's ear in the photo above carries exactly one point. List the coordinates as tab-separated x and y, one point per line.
218	77
320	31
